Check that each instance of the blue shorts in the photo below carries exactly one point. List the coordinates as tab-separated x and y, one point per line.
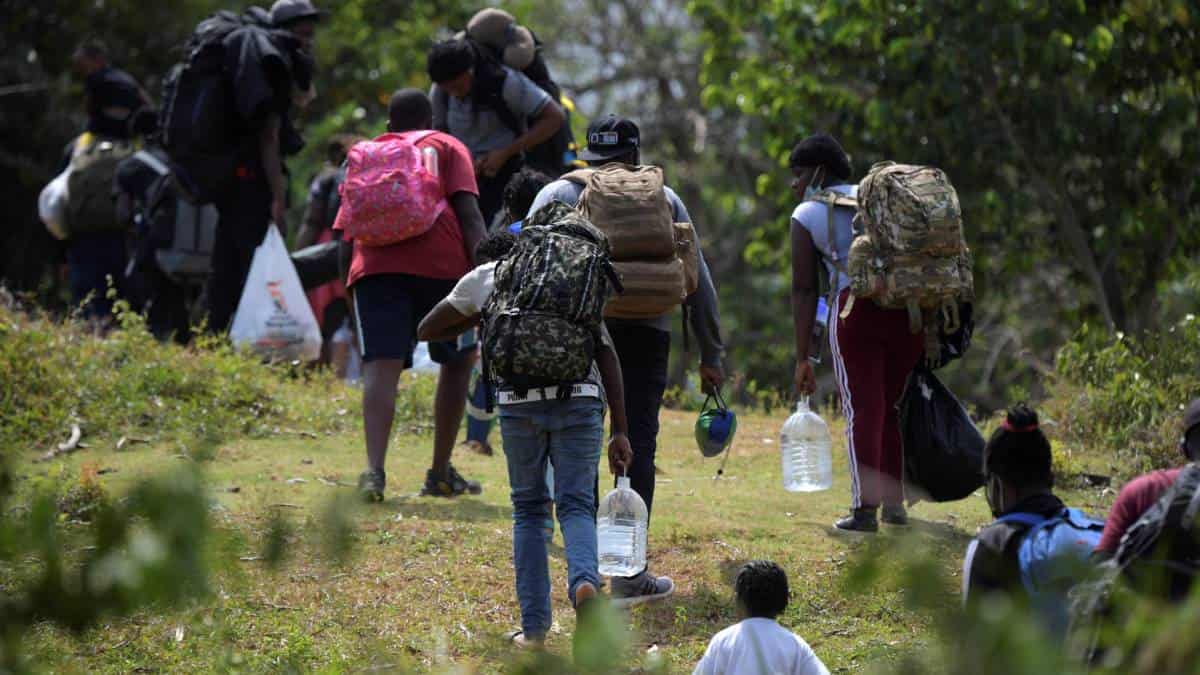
389	307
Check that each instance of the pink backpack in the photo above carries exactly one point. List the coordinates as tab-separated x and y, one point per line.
391	193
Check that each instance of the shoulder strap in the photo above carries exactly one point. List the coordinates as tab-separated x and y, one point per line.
578	176
153	162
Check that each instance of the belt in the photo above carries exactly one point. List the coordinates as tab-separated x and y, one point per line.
548	394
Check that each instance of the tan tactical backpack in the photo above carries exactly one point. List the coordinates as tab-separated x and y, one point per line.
656	258
910	252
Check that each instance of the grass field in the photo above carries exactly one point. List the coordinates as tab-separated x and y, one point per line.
429	583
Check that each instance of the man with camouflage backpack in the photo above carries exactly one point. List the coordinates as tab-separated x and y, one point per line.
894	290
546	348
655	249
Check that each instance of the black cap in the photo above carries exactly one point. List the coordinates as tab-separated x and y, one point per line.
1191	416
610	137
284	12
821	150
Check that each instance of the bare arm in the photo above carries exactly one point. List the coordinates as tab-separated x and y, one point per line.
272	164
547	123
804	303
444	322
466	207
314	220
620	453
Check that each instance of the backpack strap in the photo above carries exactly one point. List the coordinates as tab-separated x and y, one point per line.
1022	518
578	176
831	200
153	162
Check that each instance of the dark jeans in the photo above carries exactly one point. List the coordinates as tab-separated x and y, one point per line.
94	260
491	191
245	215
644	352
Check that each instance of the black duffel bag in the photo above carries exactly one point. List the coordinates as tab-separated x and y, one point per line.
943	449
317	265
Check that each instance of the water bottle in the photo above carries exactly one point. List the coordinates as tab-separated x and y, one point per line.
621	531
805	445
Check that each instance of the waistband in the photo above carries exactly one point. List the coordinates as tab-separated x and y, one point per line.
580	390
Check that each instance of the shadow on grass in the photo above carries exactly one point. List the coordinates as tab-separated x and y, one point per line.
698	613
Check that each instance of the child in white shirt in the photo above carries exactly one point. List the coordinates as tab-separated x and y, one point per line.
758	645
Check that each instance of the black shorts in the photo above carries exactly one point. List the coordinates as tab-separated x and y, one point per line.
388	308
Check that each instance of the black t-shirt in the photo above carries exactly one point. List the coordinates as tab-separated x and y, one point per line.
991	564
113	96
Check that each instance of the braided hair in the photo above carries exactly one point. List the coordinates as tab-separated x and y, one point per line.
762	589
1018	451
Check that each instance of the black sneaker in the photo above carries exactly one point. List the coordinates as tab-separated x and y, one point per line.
859	520
371	483
452	484
632	591
894	515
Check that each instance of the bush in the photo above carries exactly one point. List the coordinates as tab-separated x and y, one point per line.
1122	396
54	374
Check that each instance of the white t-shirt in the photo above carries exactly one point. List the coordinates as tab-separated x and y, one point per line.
759	646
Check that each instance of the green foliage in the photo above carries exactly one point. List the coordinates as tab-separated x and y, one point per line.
1122	397
54	374
1070	130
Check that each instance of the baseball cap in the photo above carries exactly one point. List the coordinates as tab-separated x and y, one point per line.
610	137
287	11
1191	416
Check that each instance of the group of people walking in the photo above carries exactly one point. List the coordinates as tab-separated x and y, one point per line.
556	279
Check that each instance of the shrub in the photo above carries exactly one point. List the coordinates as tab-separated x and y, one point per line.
1122	396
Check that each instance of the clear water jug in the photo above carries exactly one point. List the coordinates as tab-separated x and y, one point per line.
805	445
621	531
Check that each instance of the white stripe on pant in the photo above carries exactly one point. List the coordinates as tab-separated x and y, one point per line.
839	371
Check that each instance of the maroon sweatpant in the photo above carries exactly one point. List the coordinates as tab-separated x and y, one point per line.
873	354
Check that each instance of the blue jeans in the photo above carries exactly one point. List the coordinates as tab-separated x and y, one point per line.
567	434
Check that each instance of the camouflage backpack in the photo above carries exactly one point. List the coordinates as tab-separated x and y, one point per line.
909	252
541	324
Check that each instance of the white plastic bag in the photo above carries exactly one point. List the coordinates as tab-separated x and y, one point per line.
274	317
52	205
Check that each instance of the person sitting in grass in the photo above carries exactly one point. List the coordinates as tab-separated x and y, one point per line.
758	644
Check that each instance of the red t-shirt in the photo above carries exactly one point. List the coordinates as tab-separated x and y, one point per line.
440	253
1136	497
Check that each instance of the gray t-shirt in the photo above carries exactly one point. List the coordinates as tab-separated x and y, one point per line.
705	318
814	217
481	129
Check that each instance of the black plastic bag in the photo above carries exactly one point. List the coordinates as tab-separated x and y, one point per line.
943	450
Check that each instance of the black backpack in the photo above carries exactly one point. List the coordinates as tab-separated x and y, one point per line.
180	233
197	117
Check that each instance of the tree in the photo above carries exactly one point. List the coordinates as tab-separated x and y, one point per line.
1069	128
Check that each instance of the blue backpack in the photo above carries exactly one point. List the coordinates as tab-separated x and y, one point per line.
1053	556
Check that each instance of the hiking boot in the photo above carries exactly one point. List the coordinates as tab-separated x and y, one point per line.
859	520
451	484
479	447
894	515
636	590
371	483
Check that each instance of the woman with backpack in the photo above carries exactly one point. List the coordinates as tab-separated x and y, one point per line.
874	350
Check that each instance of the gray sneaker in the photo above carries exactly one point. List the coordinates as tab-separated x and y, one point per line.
637	590
371	483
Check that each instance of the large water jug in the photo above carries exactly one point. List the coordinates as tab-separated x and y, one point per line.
805	445
621	531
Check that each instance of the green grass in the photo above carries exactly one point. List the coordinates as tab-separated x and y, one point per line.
428	584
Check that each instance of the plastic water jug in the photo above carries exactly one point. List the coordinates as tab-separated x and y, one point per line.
805	445
621	531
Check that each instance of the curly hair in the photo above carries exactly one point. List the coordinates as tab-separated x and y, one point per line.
762	589
521	190
495	246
